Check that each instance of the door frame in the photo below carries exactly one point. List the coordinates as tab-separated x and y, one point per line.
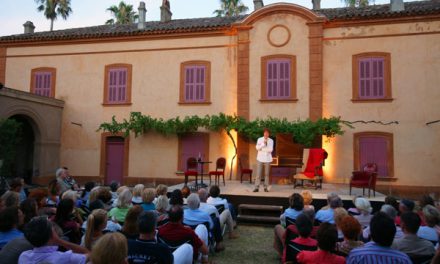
102	167
205	138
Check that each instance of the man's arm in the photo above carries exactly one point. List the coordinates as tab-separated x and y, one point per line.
56	240
260	144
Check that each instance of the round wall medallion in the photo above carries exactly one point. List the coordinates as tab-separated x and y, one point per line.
278	35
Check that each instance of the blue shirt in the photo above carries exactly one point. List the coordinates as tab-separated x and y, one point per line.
148	207
325	216
373	253
194	217
5	237
292	213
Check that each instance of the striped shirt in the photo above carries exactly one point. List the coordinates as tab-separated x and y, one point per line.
372	253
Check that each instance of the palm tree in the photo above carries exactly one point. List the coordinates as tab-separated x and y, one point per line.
357	3
123	14
231	8
53	8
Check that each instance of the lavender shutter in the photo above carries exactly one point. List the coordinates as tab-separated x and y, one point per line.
371	78
195	83
43	83
117	85
278	79
374	150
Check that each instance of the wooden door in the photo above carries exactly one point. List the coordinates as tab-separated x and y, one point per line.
191	145
114	160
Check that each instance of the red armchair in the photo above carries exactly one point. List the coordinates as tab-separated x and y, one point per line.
365	178
313	170
220	166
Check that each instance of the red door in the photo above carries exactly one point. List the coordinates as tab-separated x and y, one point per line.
191	146
114	159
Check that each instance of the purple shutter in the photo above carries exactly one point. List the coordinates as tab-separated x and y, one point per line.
195	81
117	85
278	79
374	150
371	78
43	83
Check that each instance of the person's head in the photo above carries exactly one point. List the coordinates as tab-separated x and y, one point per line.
389	210
310	213
296	202
54	187
104	194
137	190
148	195
410	222
94	194
69	194
64	211
350	227
426	200
185	191
130	223
363	205
114	185
203	195
335	202
29	208
176	197
431	215
40	196
266	132
161	189
193	201
327	236
97	204
121	189
89	186
307	197
16	184
124	199
10	217
11	198
330	196
382	229
391	200
162	204
61	173
339	213
96	222
175	214
147	222
38	231
110	248
304	225
406	205
214	191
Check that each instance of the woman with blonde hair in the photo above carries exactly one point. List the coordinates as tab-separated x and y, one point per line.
110	248
122	206
137	194
308	199
96	223
162	205
148	196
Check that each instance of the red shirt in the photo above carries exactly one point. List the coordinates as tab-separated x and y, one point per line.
178	232
302	241
319	257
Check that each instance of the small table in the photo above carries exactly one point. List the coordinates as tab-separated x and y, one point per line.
202	163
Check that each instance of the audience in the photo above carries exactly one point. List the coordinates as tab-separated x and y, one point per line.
11	219
54	194
215	199
296	203
64	218
137	194
392	213
391	200
364	208
16	185
339	214
162	205
114	185
96	223
148	196
185	193
11	198
86	192
110	248
305	226
308	199
176	197
29	208
65	181
405	205
130	227
327	215
351	229
383	231
123	204
432	218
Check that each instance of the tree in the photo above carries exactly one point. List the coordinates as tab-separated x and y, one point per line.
231	8
123	14
10	136
357	3
54	8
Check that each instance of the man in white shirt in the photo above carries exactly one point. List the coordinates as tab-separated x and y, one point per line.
264	158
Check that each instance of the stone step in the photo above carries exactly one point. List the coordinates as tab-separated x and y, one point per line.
260	214
259	219
260	207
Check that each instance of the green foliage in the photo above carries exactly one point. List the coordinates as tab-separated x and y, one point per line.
10	136
229	8
54	8
123	14
357	3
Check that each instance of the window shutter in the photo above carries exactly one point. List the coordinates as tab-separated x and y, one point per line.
371	78
374	150
195	83
43	83
278	79
117	85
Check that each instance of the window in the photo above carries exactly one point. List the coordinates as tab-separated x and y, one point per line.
374	147
278	78
43	81
371	77
117	84
195	82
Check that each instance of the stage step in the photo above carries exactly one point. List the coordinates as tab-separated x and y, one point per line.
257	213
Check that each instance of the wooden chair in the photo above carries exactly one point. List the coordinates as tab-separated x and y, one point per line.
220	167
365	178
313	169
244	171
191	169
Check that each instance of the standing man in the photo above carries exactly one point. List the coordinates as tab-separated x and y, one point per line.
264	158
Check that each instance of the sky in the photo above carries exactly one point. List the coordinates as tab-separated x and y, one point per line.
14	13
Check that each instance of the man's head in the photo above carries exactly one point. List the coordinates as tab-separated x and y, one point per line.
389	210
147	222
335	202
331	196
406	205
193	201
114	185
214	191
266	133
327	236
304	225
382	229
410	222
38	231
203	195
296	201
10	217
175	214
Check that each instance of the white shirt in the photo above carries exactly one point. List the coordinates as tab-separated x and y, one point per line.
216	201
264	150
209	208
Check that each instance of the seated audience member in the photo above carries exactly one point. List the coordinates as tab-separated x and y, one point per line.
65	180
424	201
176	197
17	185
40	195
111	226
148	196
114	185
118	192
392	213
351	229
432	218
327	215
10	199
11	219
327	237
304	226
364	208
29	208
110	248
174	232
379	250
86	192
391	200
96	223
105	196
353	210
405	205
296	203
329	197
64	218
123	204
162	205
215	199
146	249
130	227
185	193
339	213
161	189
225	218
308	199
12	250
41	235
53	197
137	194
410	243
77	214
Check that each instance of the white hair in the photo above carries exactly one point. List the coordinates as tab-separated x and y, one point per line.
363	205
162	203
124	199
69	194
59	171
193	201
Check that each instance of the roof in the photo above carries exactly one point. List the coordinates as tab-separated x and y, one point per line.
417	8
